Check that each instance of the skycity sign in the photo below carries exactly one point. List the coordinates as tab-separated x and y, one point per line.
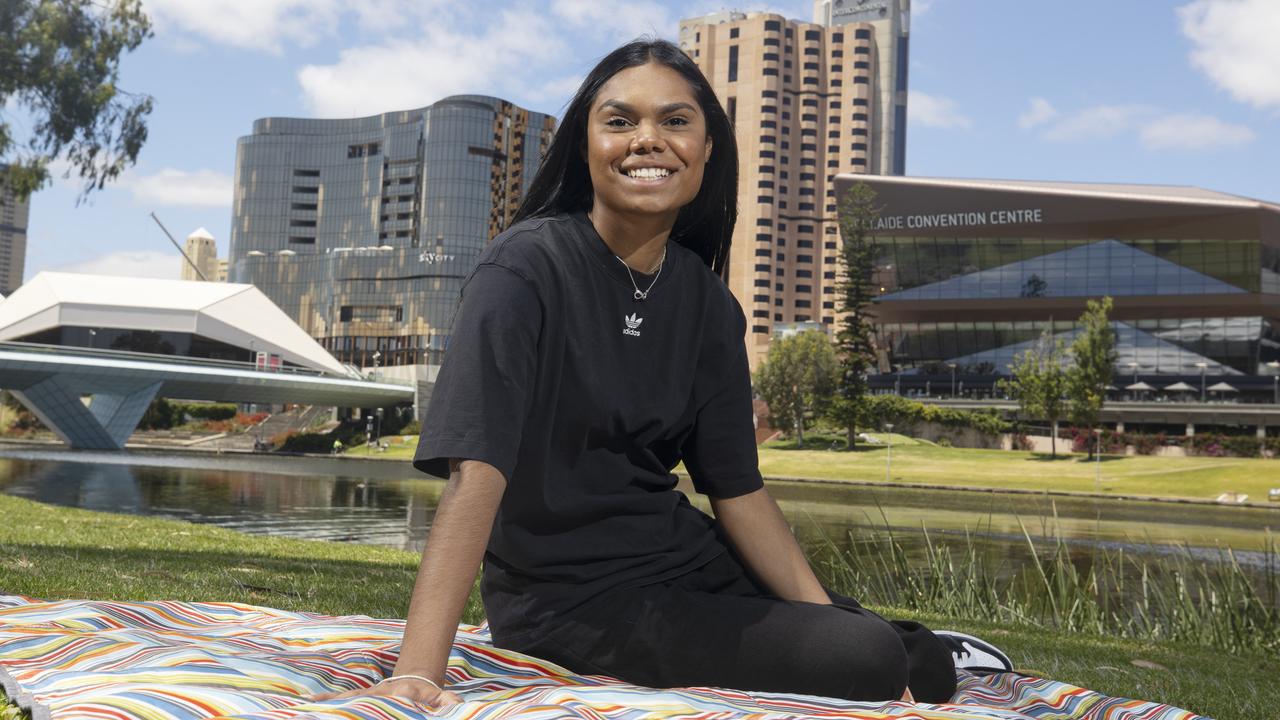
857	6
961	219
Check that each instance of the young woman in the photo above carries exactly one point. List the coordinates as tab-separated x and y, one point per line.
595	347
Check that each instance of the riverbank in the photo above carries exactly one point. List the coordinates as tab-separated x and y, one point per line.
52	552
923	465
917	465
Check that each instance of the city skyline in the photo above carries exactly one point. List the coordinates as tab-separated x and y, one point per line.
997	90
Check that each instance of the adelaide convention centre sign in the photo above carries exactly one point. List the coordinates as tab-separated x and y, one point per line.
960	219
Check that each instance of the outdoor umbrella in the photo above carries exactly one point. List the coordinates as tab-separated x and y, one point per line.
1179	387
1138	386
1222	387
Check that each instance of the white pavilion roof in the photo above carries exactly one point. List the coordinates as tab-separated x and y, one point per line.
233	313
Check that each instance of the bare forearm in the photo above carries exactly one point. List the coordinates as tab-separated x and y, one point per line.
764	541
450	561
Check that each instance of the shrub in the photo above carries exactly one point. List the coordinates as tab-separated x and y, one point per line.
306	442
1242	445
207	411
160	415
1147	444
413	428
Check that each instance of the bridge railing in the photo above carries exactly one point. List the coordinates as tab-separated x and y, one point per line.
104	353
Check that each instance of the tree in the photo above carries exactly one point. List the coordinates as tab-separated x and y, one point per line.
901	412
854	344
1094	355
59	67
1039	383
797	378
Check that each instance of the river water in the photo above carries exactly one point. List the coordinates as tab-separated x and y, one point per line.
389	503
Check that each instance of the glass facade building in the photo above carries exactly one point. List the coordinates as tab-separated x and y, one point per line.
13	240
971	272
362	230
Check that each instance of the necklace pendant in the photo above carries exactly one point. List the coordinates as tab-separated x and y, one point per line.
640	295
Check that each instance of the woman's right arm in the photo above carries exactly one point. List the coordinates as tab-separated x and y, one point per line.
450	561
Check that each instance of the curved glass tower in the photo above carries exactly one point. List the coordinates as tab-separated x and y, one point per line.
362	230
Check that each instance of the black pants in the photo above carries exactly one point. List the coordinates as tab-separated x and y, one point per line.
716	627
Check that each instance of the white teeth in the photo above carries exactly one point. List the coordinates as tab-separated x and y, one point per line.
648	172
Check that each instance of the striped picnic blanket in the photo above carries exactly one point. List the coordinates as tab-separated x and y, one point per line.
178	660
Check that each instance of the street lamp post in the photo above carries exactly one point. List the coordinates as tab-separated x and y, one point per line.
376	356
953	379
1203	367
1097	454
1275	381
888	458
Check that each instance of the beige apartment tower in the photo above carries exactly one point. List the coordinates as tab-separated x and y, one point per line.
808	101
202	251
13	240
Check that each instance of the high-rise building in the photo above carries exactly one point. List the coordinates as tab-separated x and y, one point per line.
202	251
890	25
808	101
362	230
13	240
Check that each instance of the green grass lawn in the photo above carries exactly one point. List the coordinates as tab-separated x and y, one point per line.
920	462
52	552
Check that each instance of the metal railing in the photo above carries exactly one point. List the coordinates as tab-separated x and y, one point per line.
103	353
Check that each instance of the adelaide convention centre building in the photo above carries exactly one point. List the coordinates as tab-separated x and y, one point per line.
971	272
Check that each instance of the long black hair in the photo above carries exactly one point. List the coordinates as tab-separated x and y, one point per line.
563	182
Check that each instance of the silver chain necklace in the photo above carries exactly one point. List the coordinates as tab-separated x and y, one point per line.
643	294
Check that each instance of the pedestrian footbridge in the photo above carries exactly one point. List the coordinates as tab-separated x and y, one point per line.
95	398
88	353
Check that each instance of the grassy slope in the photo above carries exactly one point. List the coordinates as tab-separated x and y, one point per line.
1193	477
918	462
51	552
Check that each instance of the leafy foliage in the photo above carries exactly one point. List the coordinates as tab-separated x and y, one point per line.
797	378
1039	383
854	344
1094	355
59	66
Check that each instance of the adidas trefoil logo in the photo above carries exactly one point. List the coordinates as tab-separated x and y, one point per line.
633	322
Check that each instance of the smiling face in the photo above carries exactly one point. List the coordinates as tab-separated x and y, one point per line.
647	143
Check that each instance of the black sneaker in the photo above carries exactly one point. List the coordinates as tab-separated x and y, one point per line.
973	654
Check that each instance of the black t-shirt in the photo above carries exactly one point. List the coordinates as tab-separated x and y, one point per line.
585	399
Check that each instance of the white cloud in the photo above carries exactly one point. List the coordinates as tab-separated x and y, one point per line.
935	111
1235	45
621	20
1096	123
1038	113
202	188
1192	132
255	24
270	24
130	263
559	91
504	60
1154	129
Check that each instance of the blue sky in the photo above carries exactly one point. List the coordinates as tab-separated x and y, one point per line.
1181	92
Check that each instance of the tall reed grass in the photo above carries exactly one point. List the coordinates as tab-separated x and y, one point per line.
1153	594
